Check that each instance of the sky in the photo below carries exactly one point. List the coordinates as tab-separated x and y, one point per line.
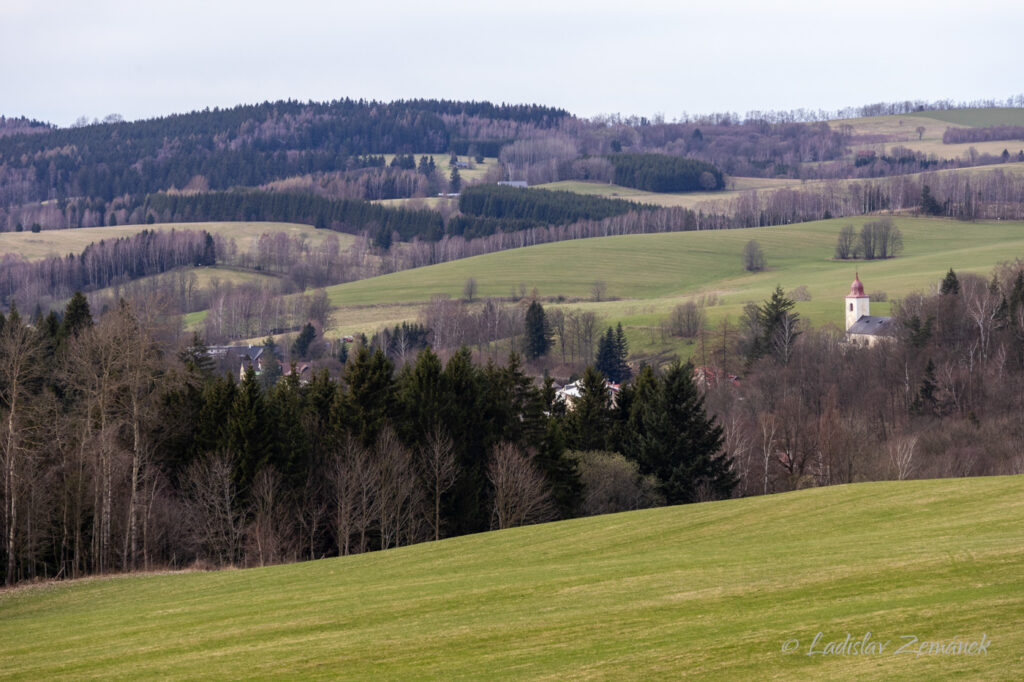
61	60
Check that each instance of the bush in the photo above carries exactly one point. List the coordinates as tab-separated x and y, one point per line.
800	293
612	483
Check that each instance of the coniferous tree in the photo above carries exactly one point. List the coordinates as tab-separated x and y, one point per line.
422	398
301	346
249	436
675	440
77	316
271	367
560	471
621	355
538	332
950	284
925	402
371	393
590	415
465	508
607	360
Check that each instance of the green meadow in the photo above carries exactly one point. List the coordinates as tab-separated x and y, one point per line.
712	591
647	275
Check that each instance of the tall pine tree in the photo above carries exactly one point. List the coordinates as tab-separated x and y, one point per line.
674	439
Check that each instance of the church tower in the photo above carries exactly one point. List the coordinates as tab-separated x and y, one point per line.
857	302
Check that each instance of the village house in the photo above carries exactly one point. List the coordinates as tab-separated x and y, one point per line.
572	392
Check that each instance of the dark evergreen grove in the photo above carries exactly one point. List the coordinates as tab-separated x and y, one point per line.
540	206
662	173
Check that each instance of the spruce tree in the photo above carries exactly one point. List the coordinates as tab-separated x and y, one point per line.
621	355
607	360
370	397
538	332
560	470
249	432
271	368
950	284
673	438
465	508
590	415
301	346
77	316
422	397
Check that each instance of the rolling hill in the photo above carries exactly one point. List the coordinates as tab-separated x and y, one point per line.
650	274
721	590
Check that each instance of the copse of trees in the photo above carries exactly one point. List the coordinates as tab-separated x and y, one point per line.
877	239
122	455
663	173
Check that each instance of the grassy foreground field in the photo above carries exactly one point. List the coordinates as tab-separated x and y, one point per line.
715	590
62	242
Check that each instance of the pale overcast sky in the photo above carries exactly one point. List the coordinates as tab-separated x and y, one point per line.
63	59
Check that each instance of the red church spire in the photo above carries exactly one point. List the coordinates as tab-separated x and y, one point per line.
856	288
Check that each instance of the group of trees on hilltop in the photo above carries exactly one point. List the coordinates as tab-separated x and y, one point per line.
121	453
244	145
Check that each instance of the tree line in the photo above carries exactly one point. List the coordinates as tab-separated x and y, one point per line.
986	134
113	261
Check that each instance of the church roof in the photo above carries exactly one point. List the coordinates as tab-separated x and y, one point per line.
872	325
856	288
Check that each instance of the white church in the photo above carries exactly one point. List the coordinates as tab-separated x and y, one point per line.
861	325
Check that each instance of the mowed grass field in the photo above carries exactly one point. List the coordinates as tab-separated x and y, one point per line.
706	591
650	274
62	242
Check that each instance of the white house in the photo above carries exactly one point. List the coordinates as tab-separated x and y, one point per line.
861	325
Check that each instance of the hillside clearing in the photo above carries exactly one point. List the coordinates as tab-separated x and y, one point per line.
62	242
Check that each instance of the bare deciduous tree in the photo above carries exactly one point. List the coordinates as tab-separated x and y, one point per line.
213	520
267	528
19	353
901	453
521	495
469	289
687	320
397	489
438	469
